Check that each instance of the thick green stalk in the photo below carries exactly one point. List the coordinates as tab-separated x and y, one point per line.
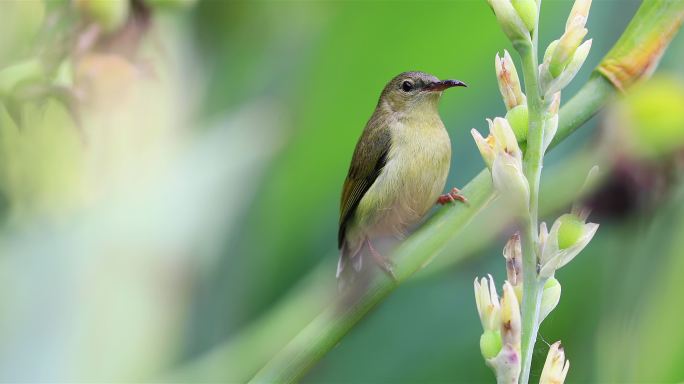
532	293
534	155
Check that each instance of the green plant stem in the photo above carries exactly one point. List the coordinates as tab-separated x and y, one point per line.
532	293
534	155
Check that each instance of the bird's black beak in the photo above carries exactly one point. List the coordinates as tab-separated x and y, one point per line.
439	86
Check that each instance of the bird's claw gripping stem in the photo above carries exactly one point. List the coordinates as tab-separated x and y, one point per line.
452	196
384	263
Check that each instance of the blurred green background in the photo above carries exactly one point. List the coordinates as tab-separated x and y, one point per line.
169	184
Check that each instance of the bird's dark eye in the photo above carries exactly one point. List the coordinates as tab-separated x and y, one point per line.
407	86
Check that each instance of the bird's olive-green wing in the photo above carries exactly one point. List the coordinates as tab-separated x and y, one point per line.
369	158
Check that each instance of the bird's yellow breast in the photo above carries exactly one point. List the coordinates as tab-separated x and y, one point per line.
412	179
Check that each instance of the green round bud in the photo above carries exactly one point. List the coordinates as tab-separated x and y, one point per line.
571	228
551	283
490	344
518	118
110	15
527	10
655	117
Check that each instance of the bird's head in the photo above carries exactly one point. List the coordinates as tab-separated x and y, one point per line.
411	90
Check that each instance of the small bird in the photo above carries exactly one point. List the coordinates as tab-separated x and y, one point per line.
398	170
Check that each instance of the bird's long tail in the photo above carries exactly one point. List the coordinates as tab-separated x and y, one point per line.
349	264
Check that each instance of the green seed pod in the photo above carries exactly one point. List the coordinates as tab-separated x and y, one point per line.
490	344
110	15
518	118
571	228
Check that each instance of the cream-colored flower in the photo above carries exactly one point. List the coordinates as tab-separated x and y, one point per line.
556	366
500	341
565	56
510	317
509	82
552	84
487	301
485	145
512	252
502	154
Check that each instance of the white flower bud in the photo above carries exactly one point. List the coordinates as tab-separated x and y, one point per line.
504	138
579	14
513	254
509	180
565	49
568	73
486	146
509	82
510	317
500	341
556	367
501	140
564	57
502	154
487	301
512	24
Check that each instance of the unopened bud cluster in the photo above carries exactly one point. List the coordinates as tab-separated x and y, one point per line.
564	57
501	318
502	151
512	94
